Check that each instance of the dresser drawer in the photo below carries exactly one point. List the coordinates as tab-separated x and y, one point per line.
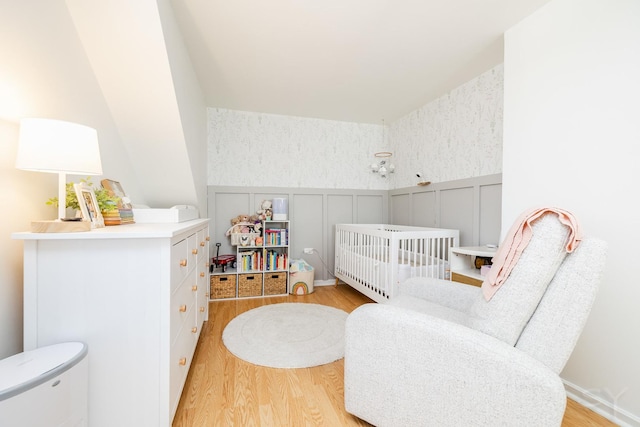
179	263
181	354
193	249
203	242
182	306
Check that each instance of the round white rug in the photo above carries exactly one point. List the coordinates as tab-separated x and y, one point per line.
287	335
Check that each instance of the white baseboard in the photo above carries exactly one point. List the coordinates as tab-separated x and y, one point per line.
324	282
597	404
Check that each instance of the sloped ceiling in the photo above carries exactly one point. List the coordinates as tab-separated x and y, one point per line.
355	60
124	42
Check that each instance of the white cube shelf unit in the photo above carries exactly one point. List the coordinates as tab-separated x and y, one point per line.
261	269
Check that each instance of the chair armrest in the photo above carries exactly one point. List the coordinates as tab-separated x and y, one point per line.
408	368
454	295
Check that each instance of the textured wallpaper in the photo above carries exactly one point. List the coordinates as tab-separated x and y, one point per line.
254	149
459	135
456	136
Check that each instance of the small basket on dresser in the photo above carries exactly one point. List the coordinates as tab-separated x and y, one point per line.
275	283
223	286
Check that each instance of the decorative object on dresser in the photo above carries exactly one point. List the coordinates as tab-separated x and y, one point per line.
124	205
142	321
60	147
287	335
262	261
89	205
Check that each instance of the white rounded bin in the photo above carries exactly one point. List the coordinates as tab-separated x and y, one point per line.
45	387
301	282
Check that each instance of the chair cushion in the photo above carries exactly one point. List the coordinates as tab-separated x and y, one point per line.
554	328
427	307
509	310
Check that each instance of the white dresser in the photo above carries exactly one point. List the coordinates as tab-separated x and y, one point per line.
137	295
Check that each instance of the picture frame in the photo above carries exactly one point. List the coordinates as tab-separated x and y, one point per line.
89	205
116	189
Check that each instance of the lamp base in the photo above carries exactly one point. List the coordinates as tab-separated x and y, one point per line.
57	226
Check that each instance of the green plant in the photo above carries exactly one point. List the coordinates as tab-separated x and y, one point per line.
106	202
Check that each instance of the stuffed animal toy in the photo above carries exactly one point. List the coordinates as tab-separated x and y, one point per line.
265	210
257	227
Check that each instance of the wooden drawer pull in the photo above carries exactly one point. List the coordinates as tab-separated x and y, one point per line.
202	309
183	308
202	244
194	329
202	274
183	263
194	251
194	288
182	361
207	238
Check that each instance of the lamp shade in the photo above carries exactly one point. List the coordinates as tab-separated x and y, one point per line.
47	145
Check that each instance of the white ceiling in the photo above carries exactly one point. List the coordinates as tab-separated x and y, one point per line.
352	60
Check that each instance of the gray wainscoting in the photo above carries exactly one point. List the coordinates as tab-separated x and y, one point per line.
471	205
313	214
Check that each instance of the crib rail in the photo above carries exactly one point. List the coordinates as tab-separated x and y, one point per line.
375	258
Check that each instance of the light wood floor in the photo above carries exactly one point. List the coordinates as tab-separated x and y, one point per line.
222	390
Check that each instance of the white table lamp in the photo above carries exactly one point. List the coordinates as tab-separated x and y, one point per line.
58	147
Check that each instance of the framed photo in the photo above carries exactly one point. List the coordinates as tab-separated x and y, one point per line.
115	188
89	205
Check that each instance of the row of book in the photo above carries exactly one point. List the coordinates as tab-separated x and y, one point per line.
273	261
276	261
275	237
251	261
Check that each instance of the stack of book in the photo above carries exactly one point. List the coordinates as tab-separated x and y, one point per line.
126	216
111	217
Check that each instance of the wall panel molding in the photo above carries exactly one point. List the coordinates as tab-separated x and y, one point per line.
470	205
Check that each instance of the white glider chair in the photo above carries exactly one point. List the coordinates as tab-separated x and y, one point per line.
439	354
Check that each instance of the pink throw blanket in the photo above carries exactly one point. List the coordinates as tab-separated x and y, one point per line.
517	240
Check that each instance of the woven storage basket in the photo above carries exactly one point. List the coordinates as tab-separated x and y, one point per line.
250	285
275	283
223	286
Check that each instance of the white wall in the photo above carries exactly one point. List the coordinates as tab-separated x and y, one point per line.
44	73
572	139
457	136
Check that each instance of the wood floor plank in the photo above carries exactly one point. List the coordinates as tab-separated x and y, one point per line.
222	390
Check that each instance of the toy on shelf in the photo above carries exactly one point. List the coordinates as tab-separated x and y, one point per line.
222	261
265	212
244	232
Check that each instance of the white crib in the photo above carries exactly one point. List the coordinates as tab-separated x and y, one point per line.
375	258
